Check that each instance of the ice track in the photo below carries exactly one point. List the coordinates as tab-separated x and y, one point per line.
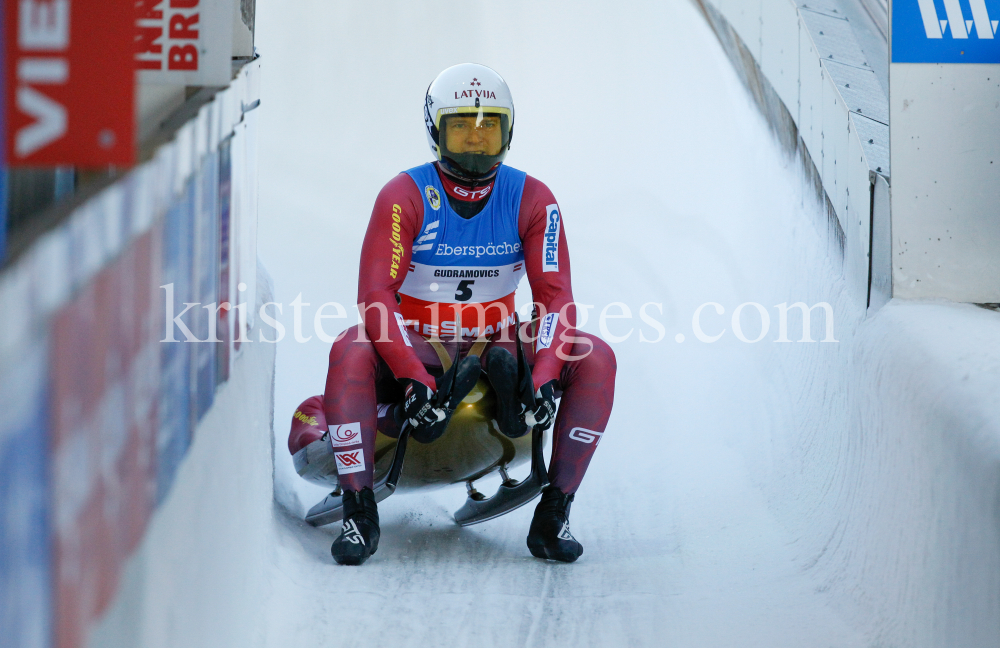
693	516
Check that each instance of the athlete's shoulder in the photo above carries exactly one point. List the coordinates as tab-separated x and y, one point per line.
536	198
402	185
400	198
536	189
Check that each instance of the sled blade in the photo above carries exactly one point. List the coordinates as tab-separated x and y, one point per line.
506	499
327	511
331	508
510	495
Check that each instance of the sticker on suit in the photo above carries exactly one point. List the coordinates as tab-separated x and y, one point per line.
550	251
547	331
350	461
347	434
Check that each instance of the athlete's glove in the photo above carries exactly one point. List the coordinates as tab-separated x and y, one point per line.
418	406
429	411
545	407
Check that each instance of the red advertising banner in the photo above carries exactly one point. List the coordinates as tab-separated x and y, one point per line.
70	82
104	382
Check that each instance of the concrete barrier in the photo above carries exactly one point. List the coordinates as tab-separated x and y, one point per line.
106	380
201	574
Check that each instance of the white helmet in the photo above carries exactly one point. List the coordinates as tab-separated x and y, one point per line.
467	96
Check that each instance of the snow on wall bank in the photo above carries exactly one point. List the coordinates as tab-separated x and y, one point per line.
918	546
892	486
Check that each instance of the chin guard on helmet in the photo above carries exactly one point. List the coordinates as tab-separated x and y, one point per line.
469	117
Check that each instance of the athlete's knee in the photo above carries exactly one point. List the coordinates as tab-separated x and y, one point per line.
352	347
603	357
593	353
308	424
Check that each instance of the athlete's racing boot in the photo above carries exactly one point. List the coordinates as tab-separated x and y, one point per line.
549	535
501	370
359	535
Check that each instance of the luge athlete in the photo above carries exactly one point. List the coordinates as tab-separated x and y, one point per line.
446	246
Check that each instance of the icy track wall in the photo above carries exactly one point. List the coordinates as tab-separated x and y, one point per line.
892	486
811	78
124	459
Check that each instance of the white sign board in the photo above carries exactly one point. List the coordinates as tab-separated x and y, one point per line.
184	42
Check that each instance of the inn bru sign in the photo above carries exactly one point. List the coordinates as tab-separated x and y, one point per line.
184	42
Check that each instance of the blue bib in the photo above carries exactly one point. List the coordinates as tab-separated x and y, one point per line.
485	248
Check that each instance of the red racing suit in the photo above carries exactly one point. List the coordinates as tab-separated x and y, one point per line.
366	363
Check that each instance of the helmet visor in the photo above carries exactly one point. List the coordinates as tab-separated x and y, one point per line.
474	139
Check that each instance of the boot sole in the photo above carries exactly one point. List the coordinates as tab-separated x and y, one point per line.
543	552
353	560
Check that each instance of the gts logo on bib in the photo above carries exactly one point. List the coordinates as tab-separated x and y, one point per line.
550	251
